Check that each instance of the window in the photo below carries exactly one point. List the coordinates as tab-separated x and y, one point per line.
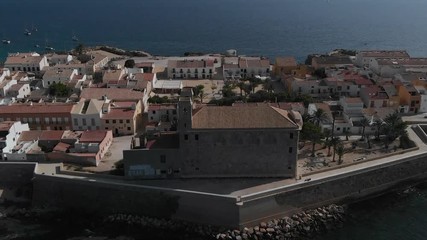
66	120
37	120
106	128
53	120
291	149
128	121
107	121
114	121
76	122
121	121
84	121
129	128
186	137
196	137
154	112
163	158
92	121
291	135
46	120
163	172
59	120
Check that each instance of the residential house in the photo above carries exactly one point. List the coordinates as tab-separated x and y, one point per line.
250	67
409	98
86	114
27	62
123	118
117	94
331	62
9	134
55	59
284	65
221	141
58	76
422	91
147	67
161	117
39	116
4	72
19	91
374	97
365	58
5	86
191	69
114	76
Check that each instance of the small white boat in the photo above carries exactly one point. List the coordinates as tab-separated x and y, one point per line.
49	48
27	32
5	41
36	45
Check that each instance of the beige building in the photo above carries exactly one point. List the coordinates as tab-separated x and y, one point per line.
213	142
27	62
123	118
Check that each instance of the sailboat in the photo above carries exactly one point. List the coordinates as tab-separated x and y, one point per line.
5	41
48	47
74	38
27	32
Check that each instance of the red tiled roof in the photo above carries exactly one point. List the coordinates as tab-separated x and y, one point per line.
37	108
148	76
95	136
144	64
51	135
61	147
119	113
111	93
27	136
161	106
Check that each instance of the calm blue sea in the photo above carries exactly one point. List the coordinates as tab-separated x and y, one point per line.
253	27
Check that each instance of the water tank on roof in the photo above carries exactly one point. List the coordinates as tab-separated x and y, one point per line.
231	52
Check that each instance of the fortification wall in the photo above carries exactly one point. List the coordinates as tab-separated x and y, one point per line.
347	186
16	181
108	198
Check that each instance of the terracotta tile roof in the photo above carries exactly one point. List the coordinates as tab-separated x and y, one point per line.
17	87
191	63
58	74
286	62
37	108
221	117
148	76
152	107
144	64
23	58
29	135
353	100
332	60
5	125
51	135
403	61
384	53
111	93
61	147
95	136
119	113
254	63
374	92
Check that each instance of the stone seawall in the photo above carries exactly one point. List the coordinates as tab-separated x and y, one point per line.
16	181
347	186
113	196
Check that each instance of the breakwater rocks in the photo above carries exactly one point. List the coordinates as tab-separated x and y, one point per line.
122	52
302	225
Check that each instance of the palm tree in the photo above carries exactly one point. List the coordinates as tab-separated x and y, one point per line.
364	122
312	133
319	116
268	86
377	123
347	134
241	86
340	151
334	142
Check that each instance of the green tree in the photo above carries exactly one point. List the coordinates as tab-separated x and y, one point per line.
364	122
377	124
268	86
340	151
130	63
199	92
241	86
319	116
312	133
80	49
59	90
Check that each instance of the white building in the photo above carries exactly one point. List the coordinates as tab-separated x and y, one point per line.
5	72
52	76
19	91
55	59
27	62
9	135
5	86
364	58
86	114
191	69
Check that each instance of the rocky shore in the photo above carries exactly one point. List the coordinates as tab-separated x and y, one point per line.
302	225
